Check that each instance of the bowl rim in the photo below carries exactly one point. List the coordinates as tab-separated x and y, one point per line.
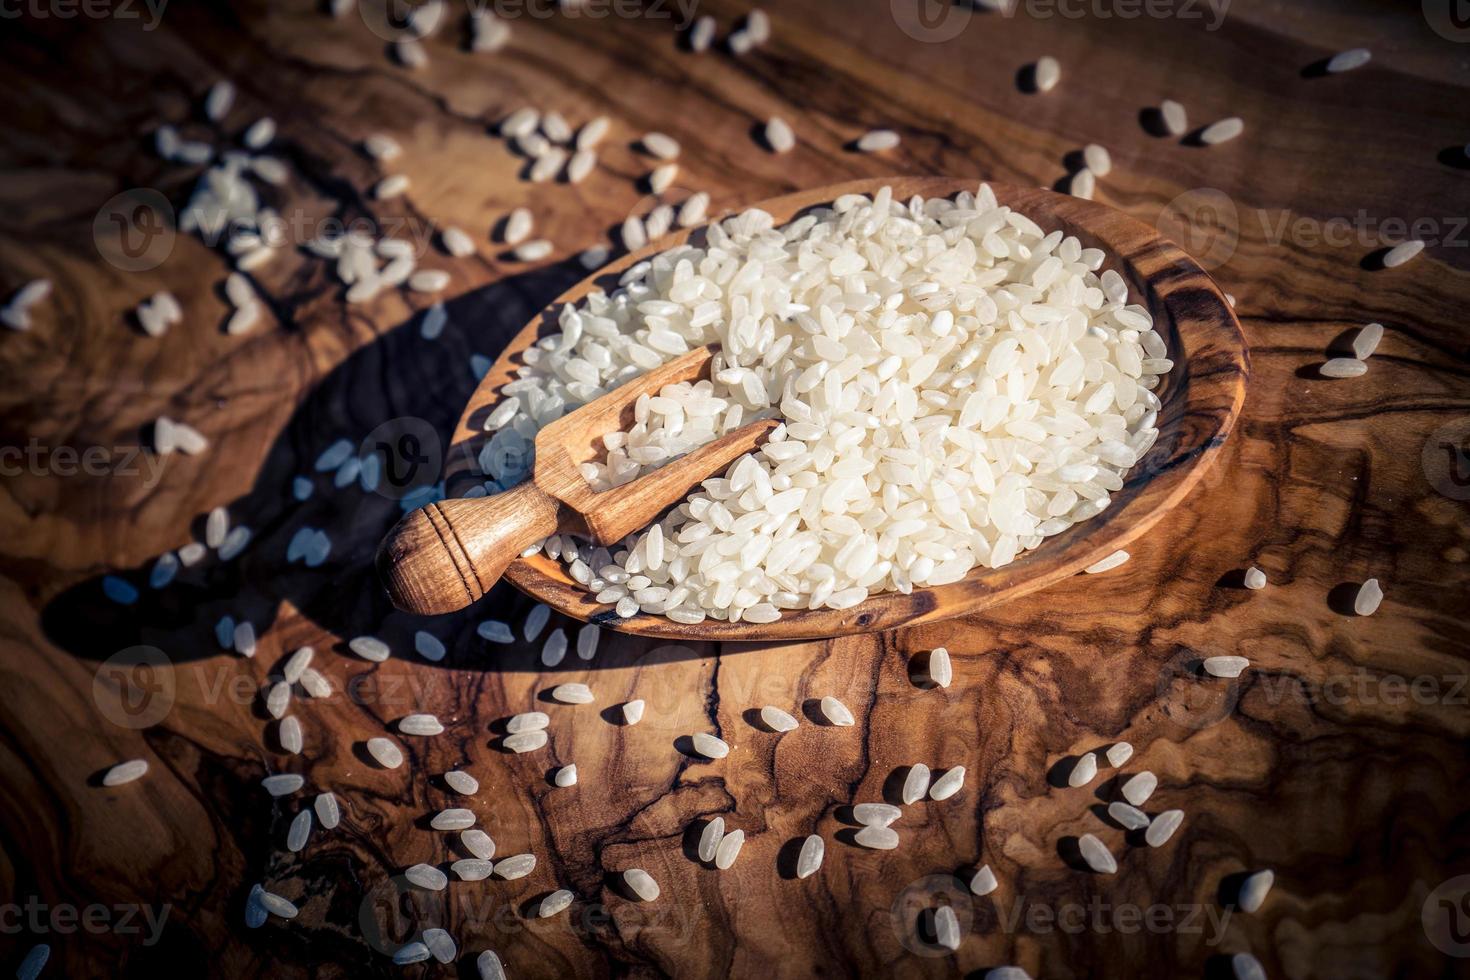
1212	377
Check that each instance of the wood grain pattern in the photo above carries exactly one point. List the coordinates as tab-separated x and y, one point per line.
1200	401
1338	760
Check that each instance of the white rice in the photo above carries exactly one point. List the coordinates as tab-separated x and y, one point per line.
1348	60
526	741
536	621
662	177
1084	771
916	783
877	140
777	720
558	901
410	53
1369	598
1098	159
592	133
427	876
369	648
554	650
409	953
641	883
282	784
1107	564
710	746
1083	184
1366	341
219	100
487	964
495	631
1253	890
809	859
461	782
516	866
1401	253
633	712
382	147
420	724
566	776
659	145
729	849
947	928
1163	827
1119	753
1255	579
836	712
125	772
281	908
328	813
1219	132
34	962
572	693
1097	855
876	837
296	664
1229	666
580	166
1131	817
1048	72
938	669
457	242
390	187
632	233
385	753
528	721
983	882
1343	367
702	34
244	638
947	785
441	944
299	831
533	251
289	735
1246	967
779	136
478	843
1138	788
709	839
876	814
455	818
692	212
548	164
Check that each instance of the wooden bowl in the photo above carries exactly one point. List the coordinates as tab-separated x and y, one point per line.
1201	398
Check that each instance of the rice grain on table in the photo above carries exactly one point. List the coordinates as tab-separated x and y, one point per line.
878	838
1369	598
1221	131
516	866
877	140
125	772
282	784
702	34
495	631
947	785
809	858
441	944
876	814
983	882
709	745
289	735
1138	788
662	177
1007	973
1229	666
947	928
729	849
660	145
566	775
641	884
836	712
457	242
1255	579
1366	341
1046	74
1348	60
369	648
1083	771
1082	184
1097	159
777	720
1244	966
555	648
385	753
488	965
1253	890
420	724
1129	816
939	670
461	782
572	693
709	838
281	908
916	783
219	100
33	962
592	132
527	721
410	953
1107	564
382	147
456	818
535	622
299	831
519	123
632	233
548	165
244	639
558	901
1343	367
328	813
693	210
426	876
1163	827
525	741
1401	253
390	187
779	136
1097	855
1119	753
580	166
478	843
633	711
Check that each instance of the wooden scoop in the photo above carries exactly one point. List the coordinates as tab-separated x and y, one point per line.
443	557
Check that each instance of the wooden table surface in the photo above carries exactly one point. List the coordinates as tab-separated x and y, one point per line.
1339	759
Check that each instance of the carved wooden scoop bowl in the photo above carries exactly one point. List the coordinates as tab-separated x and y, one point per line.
447	555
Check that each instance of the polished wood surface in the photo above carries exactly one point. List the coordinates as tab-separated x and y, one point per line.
1338	759
1200	402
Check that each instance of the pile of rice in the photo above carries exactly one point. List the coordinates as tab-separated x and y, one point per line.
955	386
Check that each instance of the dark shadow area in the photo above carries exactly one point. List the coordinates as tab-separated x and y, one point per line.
1069	849
1342	596
786	858
1228	892
1373	261
1026	79
1151	121
1317	69
1454	156
1233	579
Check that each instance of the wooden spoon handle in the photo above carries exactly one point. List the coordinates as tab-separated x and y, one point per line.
442	557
